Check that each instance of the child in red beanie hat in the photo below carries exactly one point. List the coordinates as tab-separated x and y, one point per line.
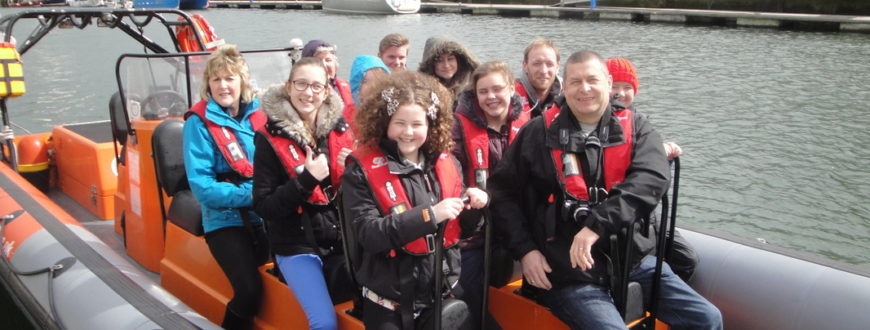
625	85
682	257
624	79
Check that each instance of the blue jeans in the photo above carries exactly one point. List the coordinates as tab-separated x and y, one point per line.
589	306
304	274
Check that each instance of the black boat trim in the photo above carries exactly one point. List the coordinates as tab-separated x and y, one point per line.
149	306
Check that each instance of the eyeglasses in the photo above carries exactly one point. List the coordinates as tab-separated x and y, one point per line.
301	85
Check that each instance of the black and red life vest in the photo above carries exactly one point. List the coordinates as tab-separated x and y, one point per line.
616	158
226	140
521	90
477	147
391	196
292	156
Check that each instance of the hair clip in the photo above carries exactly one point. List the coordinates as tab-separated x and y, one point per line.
389	97
432	111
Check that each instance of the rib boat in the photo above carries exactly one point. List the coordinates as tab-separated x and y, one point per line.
100	231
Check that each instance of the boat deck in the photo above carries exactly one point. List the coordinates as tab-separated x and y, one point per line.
103	229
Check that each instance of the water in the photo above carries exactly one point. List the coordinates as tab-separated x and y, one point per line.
773	123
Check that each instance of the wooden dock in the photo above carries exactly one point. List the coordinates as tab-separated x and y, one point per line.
787	21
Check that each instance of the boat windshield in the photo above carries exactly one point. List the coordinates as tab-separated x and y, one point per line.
157	86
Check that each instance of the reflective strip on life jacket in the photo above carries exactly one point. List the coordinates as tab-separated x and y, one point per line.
477	147
616	158
293	157
392	199
226	140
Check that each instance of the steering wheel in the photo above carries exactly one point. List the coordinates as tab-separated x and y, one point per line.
163	103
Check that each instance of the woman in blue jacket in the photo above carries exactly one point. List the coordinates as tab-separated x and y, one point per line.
218	149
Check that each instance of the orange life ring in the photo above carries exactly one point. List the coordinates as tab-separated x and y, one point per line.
187	40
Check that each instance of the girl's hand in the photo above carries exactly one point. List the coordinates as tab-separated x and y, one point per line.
447	209
318	166
477	198
342	156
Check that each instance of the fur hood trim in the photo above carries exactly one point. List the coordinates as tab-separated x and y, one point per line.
285	121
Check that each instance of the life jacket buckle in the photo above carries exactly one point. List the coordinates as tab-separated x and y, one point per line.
597	195
330	192
430	243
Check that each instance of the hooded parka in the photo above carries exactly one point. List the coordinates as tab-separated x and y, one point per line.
465	60
278	198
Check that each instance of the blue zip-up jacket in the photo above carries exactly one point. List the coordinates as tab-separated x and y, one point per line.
203	161
361	65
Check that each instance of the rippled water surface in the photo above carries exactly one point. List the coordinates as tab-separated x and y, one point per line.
774	123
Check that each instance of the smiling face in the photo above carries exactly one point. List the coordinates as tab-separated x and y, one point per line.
626	92
395	57
306	101
541	67
330	61
225	88
446	66
409	128
587	89
494	96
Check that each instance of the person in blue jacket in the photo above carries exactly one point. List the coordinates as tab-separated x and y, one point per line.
218	149
366	69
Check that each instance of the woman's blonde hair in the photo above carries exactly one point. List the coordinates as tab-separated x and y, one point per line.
407	87
227	58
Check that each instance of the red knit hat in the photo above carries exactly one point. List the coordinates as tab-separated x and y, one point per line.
622	70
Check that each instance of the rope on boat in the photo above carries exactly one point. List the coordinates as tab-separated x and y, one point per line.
53	271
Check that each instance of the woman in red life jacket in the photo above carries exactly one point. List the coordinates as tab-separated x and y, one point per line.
399	187
218	145
488	116
299	160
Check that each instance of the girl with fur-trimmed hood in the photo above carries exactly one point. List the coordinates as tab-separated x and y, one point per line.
298	161
448	61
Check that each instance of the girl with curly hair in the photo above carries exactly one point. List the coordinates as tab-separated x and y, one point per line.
402	192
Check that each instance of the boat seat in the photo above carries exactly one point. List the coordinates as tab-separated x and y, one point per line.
184	209
118	118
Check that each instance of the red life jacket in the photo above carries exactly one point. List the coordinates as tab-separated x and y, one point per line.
292	156
349	114
477	147
344	91
391	196
616	158
226	140
521	90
